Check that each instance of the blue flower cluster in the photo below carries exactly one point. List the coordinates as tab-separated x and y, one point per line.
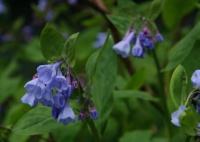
143	40
53	89
49	79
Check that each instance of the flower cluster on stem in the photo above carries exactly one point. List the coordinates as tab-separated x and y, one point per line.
142	40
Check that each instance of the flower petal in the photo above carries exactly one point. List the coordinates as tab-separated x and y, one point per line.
175	115
29	99
66	115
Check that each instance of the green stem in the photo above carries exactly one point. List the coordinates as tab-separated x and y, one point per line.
162	95
94	130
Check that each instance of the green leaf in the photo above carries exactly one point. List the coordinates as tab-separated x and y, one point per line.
137	80
92	61
121	23
154	9
136	136
189	121
174	10
68	51
52	43
103	83
182	49
134	94
91	64
178	86
37	121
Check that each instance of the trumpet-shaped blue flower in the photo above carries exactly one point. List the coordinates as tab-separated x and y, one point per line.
195	79
59	82
35	89
59	100
29	99
66	115
175	115
67	93
47	97
46	73
123	47
138	50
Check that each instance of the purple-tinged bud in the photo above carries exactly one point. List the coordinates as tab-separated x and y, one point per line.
81	116
159	37
75	84
93	113
68	78
35	76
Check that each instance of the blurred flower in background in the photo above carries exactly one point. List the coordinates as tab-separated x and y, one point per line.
100	39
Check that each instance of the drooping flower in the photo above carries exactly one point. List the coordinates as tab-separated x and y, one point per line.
47	97
59	81
59	100
101	37
123	47
66	115
195	79
175	115
138	50
159	37
46	73
42	4
29	99
35	89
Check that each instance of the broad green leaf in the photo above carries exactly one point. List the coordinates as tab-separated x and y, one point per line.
68	51
92	61
174	10
154	9
121	23
182	49
134	94
103	84
178	86
189	121
137	136
137	80
127	8
191	63
91	64
52	43
37	121
67	133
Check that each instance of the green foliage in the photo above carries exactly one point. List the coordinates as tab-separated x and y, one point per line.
68	51
137	136
103	84
52	43
182	49
134	94
178	86
189	120
37	121
174	10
